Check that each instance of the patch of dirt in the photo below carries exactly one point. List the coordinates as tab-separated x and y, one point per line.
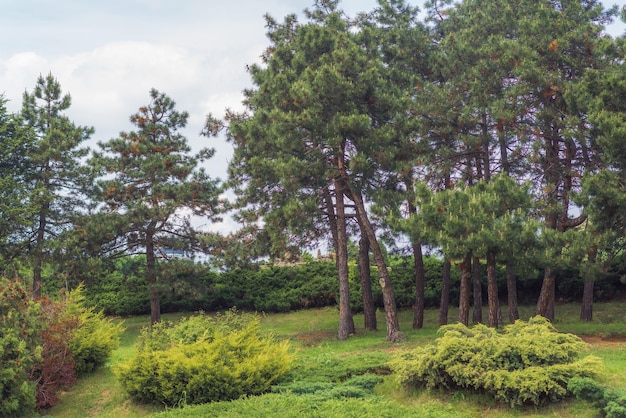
601	341
314	338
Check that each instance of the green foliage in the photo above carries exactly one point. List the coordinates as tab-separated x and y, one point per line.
20	348
360	386
612	402
288	405
204	359
528	362
76	341
94	339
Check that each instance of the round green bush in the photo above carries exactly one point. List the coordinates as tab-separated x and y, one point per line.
203	359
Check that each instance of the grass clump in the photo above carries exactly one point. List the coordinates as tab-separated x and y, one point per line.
527	363
203	359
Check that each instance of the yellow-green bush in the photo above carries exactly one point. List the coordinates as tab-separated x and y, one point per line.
528	362
95	338
204	359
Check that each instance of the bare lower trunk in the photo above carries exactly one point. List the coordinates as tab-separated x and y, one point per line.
492	290
389	300
369	309
39	242
444	304
511	289
545	303
586	310
477	290
151	279
465	294
420	298
346	321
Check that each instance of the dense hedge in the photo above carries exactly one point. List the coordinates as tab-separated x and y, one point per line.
188	287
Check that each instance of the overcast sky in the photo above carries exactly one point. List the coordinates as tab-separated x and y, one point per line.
108	54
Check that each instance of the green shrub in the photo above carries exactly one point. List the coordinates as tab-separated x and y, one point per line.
20	348
94	339
528	362
204	359
611	402
76	340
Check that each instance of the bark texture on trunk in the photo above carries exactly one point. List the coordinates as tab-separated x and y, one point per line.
346	321
391	312
420	298
511	289
444	303
492	290
369	309
586	309
545	303
477	291
465	293
151	279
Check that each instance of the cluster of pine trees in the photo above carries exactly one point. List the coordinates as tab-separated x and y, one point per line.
491	130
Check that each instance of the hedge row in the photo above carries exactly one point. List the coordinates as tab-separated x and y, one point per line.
187	287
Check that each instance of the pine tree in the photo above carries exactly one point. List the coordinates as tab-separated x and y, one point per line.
150	180
57	179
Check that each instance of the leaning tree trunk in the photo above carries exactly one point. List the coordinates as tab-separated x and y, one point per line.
492	290
391	312
420	285
151	279
477	291
545	303
511	289
369	309
465	292
586	310
444	303
346	321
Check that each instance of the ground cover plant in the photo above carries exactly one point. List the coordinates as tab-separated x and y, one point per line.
322	361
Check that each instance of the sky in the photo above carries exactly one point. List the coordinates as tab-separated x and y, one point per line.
109	54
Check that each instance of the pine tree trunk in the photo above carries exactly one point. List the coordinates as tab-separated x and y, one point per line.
465	294
346	321
492	290
420	298
39	242
477	290
586	309
444	304
391	312
151	279
511	288
369	309
545	303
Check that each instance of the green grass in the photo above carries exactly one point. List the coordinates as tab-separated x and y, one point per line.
320	357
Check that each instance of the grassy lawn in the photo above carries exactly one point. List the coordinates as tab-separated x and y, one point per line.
319	355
